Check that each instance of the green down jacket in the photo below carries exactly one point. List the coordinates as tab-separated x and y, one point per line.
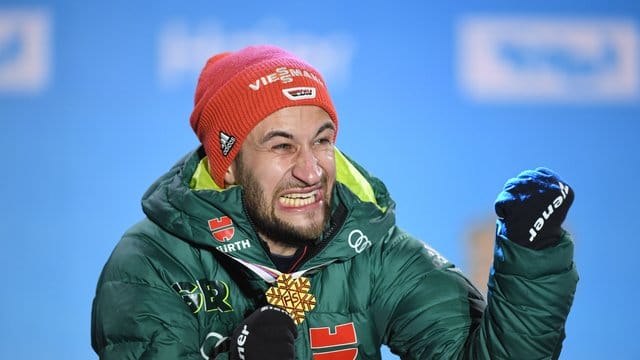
183	278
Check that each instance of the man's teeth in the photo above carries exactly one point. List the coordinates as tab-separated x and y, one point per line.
296	200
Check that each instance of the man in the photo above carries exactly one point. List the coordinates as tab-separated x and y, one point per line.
269	243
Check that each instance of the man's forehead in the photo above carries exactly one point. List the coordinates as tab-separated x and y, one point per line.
294	120
292	132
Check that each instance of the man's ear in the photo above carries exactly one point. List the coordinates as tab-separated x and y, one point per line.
230	176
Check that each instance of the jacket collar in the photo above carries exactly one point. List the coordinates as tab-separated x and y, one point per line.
188	204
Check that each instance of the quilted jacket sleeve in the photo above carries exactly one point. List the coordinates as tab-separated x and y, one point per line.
436	313
135	315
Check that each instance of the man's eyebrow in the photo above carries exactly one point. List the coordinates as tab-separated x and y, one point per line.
328	125
275	133
281	133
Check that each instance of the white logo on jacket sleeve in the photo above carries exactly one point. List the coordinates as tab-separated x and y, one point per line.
358	241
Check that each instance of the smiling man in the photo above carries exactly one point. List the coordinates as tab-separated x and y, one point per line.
267	242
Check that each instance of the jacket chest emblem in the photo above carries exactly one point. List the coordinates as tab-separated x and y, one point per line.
223	231
337	342
210	295
222	228
358	241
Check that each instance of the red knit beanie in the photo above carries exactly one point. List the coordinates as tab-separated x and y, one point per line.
237	90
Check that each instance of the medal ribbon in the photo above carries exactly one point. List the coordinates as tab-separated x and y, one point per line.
289	291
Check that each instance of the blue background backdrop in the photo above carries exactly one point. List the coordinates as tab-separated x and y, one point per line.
95	99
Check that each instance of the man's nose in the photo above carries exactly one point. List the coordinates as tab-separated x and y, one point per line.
306	168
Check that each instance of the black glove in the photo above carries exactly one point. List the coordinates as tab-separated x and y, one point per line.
268	334
532	207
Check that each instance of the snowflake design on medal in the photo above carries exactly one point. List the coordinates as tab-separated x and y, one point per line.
292	295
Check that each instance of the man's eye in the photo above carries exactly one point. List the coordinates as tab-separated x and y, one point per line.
324	141
282	147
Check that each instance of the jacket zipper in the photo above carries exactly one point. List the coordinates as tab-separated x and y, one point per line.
337	221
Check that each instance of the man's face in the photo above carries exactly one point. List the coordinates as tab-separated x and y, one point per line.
287	169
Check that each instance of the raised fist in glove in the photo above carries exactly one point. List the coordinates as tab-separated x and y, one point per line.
532	207
267	334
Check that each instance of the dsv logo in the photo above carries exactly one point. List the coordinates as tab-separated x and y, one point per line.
358	241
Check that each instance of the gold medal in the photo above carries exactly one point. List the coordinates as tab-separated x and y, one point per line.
292	295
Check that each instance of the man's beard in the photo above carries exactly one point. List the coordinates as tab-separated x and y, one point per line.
267	223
